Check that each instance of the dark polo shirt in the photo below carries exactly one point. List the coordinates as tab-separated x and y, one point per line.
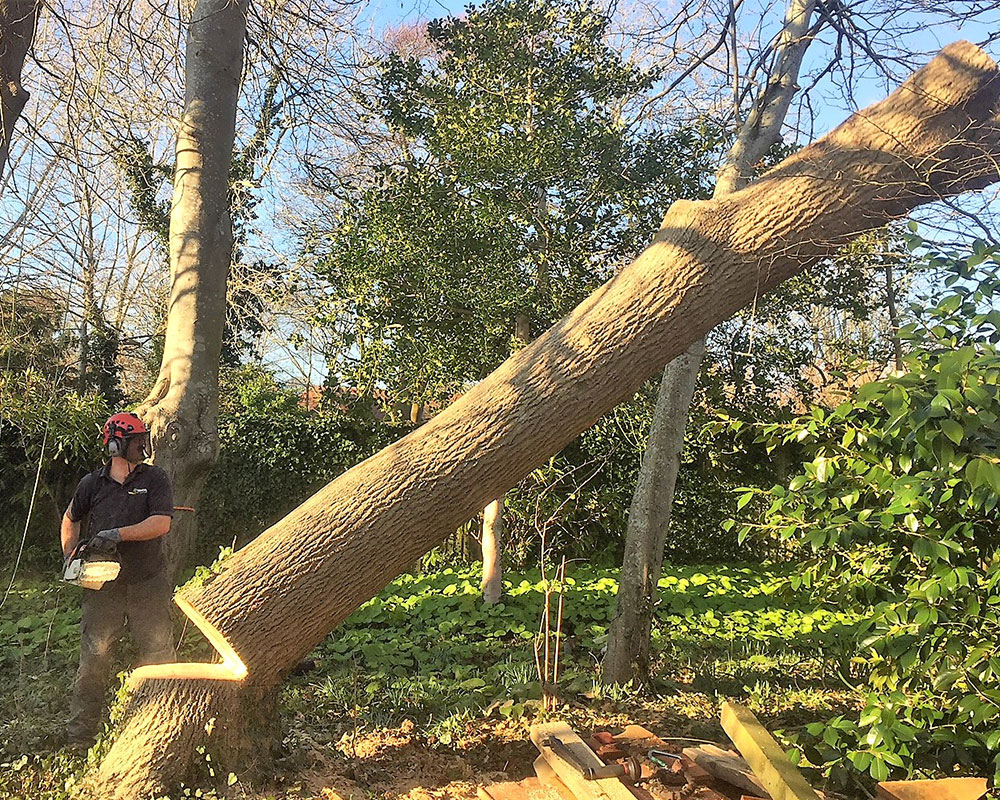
108	504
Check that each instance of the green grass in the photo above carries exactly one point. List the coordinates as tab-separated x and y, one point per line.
425	650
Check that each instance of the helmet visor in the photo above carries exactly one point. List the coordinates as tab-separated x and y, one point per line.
137	447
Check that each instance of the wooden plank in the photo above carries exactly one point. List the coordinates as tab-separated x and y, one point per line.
779	776
726	766
600	789
943	789
547	776
528	789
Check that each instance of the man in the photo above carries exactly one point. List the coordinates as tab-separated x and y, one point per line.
126	506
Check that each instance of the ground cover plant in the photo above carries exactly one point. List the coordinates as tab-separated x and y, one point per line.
425	664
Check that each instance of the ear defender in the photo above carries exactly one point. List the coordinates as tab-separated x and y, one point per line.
116	442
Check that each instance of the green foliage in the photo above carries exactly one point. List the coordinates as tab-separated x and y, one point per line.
518	189
426	650
896	502
273	454
48	429
38	632
146	180
426	645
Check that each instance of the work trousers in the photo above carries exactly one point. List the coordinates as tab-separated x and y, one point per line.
145	608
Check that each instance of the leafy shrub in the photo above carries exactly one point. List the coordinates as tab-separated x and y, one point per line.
49	433
273	454
896	502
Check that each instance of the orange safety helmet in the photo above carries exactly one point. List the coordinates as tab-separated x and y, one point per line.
119	429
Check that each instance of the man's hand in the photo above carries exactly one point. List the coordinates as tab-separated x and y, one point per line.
105	542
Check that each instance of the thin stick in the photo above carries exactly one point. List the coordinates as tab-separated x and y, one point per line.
559	618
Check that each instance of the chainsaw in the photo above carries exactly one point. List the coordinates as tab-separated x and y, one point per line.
90	570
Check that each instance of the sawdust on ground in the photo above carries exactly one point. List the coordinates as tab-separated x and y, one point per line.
401	763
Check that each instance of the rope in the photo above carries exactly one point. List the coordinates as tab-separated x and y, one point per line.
31	508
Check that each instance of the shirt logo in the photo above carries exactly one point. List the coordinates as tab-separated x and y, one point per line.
137	491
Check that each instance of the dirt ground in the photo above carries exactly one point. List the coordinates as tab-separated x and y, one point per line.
402	764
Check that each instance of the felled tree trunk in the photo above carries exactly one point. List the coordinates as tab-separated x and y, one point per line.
283	593
627	657
182	407
17	28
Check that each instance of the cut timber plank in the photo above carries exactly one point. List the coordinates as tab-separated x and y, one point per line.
944	789
548	777
779	776
601	789
528	789
726	766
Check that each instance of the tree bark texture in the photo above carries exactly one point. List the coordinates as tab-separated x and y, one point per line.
492	583
18	19
182	407
627	657
278	597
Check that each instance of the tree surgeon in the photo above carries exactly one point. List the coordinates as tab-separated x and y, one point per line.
124	508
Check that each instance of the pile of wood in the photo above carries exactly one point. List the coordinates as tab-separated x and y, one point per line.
635	764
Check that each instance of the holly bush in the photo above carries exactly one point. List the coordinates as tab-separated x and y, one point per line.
896	503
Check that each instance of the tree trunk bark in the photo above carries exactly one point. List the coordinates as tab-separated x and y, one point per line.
627	657
890	301
492	583
281	595
182	407
17	29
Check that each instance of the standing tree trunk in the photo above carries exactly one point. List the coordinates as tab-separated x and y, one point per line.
890	302
182	407
492	533
492	583
278	597
17	29
493	529
90	313
627	657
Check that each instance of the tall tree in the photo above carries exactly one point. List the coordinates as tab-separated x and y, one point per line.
182	406
515	121
17	28
627	656
709	259
517	185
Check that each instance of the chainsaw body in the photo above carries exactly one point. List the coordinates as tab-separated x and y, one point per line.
90	570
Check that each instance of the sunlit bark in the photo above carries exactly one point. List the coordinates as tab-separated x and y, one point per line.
282	594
